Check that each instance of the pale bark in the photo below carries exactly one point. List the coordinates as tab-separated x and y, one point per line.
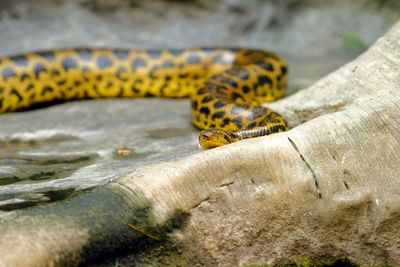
328	188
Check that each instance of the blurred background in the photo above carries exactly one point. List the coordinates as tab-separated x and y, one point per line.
315	36
75	144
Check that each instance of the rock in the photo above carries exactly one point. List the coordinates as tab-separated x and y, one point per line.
75	145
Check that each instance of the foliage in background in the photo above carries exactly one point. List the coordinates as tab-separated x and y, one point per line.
352	43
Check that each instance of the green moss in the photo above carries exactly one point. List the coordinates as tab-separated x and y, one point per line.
9	180
34	177
42	176
67	161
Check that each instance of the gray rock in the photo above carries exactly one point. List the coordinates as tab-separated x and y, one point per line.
75	145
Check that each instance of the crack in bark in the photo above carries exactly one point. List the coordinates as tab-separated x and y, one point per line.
226	184
201	201
308	166
346	185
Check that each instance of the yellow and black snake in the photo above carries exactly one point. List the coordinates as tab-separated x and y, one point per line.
226	86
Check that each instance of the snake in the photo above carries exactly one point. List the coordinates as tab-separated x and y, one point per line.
226	86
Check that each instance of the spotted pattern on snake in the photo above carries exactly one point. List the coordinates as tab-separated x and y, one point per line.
226	86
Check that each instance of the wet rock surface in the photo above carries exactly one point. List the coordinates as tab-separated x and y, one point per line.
76	145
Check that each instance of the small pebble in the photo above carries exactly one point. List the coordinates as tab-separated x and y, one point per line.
124	151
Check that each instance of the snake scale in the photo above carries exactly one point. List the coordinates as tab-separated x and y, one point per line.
226	86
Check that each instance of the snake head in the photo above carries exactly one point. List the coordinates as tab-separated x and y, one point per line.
212	137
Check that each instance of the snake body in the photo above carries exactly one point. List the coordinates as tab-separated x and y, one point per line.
226	86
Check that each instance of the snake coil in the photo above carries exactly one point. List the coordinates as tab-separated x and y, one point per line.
226	86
